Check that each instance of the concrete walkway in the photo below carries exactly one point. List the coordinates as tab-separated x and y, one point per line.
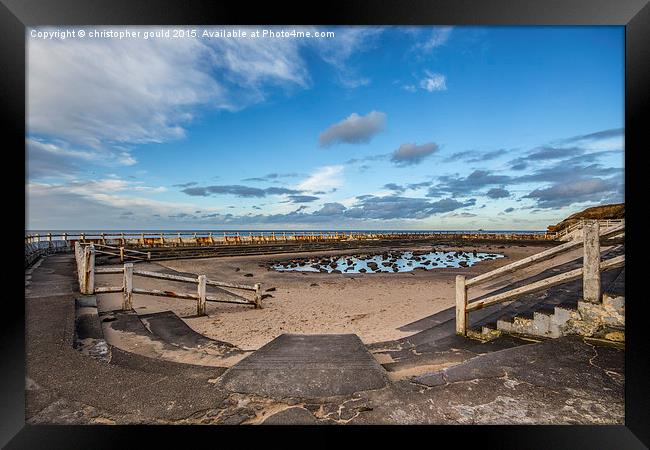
565	380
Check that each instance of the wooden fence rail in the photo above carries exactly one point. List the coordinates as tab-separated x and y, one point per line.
590	273
86	270
122	252
603	223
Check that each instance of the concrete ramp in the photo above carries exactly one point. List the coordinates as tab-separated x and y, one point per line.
172	329
307	366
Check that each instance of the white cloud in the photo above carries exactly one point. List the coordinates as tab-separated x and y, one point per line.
114	195
47	159
354	129
433	82
326	177
104	96
99	92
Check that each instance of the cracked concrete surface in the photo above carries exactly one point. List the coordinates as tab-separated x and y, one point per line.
562	381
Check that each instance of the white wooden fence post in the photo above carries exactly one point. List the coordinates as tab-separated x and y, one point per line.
200	305
461	306
127	302
121	254
89	269
258	296
591	262
79	255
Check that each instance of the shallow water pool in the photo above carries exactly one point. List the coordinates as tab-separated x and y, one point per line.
387	262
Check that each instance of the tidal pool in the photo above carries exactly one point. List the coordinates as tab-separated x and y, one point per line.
386	262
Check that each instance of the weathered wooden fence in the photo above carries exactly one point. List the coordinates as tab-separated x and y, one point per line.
590	272
572	231
85	257
122	252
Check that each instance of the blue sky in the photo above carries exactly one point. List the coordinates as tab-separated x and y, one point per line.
375	127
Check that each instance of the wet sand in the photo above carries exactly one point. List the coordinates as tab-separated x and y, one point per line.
373	306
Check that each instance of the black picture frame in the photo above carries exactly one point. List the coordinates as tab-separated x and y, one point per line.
16	15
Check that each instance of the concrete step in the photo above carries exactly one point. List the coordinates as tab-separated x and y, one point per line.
125	330
588	319
88	335
307	366
452	350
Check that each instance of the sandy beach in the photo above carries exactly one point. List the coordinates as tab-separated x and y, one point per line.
373	306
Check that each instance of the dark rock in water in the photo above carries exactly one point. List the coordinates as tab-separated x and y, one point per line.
385	264
362	270
315	266
336	271
373	265
248	274
463	264
271	289
322	270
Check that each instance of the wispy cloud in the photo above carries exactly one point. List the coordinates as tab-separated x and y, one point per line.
326	177
472	156
566	193
303	198
272	177
107	96
236	190
338	52
436	38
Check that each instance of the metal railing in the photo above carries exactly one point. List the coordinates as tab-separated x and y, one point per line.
209	238
590	272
